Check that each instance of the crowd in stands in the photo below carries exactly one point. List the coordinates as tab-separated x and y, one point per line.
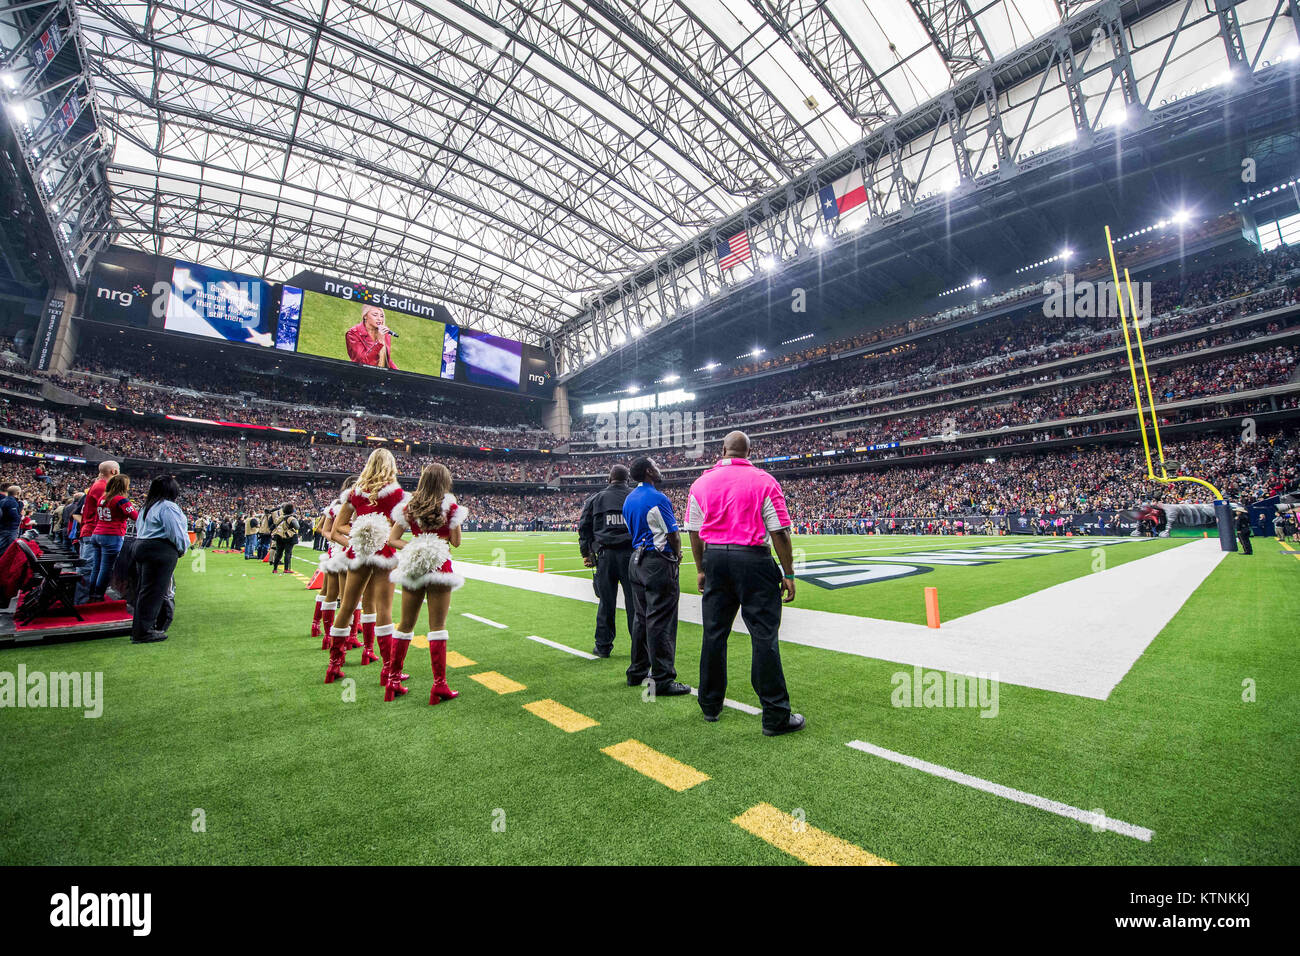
1227	376
1090	478
1019	341
1099	268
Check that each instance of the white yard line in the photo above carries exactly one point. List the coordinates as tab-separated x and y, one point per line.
1093	818
483	620
562	647
1079	637
733	704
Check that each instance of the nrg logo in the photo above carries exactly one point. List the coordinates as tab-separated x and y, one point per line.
124	298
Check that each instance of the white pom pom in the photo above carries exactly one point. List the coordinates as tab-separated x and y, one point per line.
420	563
369	534
424	555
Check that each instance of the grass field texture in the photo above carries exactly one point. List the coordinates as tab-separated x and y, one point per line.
229	721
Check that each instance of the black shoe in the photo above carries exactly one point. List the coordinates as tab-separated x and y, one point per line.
152	637
597	652
796	722
674	688
711	718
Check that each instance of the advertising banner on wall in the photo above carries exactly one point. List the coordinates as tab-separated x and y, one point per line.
129	288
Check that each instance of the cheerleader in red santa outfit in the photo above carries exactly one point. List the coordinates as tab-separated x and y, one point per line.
433	517
333	566
362	527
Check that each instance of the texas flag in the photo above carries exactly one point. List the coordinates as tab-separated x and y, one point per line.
835	206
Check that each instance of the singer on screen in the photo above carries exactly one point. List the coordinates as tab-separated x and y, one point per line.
370	341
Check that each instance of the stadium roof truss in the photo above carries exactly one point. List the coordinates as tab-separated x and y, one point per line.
48	92
1108	68
510	158
561	170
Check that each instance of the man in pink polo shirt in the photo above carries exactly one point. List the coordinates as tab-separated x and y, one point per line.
733	512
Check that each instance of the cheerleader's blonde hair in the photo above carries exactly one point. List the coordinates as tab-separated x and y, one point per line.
380	471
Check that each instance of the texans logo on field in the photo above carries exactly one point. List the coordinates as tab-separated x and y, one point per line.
870	568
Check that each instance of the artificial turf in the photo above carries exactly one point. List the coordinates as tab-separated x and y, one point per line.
230	717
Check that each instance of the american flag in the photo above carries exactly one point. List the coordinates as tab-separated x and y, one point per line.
734	250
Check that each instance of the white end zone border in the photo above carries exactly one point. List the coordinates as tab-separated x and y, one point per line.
1079	637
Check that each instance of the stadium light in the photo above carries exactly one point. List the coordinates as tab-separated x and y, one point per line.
973	284
1066	253
18	111
1182	216
769	263
820	240
10	80
669	379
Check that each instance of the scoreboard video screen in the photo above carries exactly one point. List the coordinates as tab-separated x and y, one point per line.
311	314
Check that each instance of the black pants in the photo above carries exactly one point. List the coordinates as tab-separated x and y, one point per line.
1244	539
155	560
263	545
655	590
749	582
283	552
611	574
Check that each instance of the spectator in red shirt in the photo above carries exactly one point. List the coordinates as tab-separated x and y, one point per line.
111	516
370	341
89	512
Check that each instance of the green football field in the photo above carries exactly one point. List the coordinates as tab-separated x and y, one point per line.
223	745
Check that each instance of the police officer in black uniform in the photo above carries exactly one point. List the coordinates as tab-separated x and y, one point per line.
607	547
1243	531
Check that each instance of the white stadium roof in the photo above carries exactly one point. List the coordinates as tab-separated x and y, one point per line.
508	158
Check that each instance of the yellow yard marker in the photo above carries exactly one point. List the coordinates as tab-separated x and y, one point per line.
420	641
815	847
456	659
570	721
673	774
497	682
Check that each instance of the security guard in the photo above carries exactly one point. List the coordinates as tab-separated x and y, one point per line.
656	557
1243	530
606	546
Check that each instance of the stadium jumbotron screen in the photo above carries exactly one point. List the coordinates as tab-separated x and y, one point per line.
218	304
367	333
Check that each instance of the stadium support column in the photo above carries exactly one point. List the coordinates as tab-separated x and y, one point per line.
556	418
56	336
